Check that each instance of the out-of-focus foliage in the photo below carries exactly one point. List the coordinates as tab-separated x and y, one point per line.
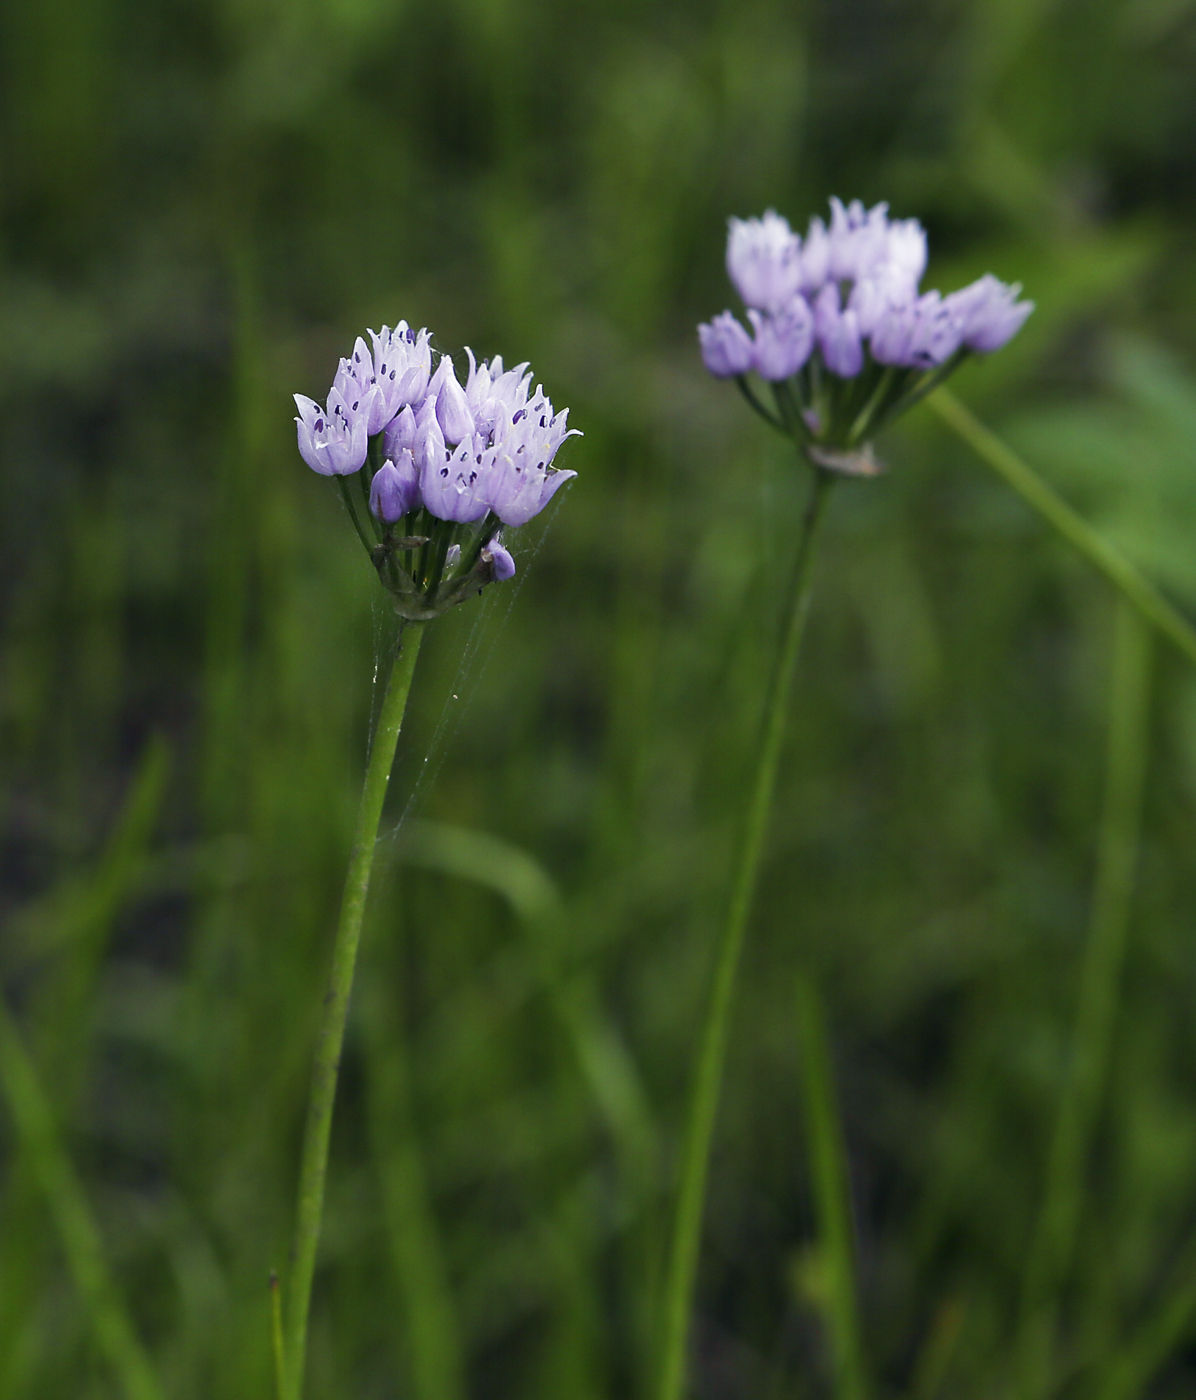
203	202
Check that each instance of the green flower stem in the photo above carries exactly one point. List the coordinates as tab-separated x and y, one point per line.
749	394
687	1224
77	1230
336	1005
1057	513
1053	1244
347	497
832	1197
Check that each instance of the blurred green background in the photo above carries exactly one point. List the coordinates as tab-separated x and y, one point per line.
203	203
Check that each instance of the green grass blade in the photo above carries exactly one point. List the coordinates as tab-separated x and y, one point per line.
1051	1253
832	1196
434	1329
77	1230
1041	497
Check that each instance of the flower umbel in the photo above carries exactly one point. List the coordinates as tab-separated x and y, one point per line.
443	466
840	330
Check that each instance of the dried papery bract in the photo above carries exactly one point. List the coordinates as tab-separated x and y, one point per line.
441	468
845	341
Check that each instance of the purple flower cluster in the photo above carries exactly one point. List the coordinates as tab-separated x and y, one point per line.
839	327
457	452
449	455
849	292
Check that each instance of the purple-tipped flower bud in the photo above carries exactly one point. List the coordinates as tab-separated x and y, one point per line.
904	254
815	258
857	238
395	488
764	260
333	443
521	483
890	341
783	341
491	391
502	566
873	295
838	334
400	365
937	331
520	489
430	448
356	384
727	348
452	409
990	313
454	488
400	432
842	350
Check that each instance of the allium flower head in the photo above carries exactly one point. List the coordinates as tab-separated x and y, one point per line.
764	261
839	321
446	465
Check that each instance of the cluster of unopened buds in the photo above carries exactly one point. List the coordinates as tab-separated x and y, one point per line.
840	330
441	467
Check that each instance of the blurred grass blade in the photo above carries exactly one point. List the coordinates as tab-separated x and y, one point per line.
486	860
611	1075
1051	1253
527	887
938	1350
437	1346
277	1345
77	1230
62	1011
832	1196
1169	1327
77	914
1124	576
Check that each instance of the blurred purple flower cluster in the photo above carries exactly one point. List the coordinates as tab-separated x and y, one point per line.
848	288
436	455
845	302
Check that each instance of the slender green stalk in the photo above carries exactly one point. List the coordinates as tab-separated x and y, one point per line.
77	1230
687	1224
314	1166
347	497
1100	976
1132	584
749	394
832	1197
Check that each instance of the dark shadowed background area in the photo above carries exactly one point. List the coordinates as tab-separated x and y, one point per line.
202	204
